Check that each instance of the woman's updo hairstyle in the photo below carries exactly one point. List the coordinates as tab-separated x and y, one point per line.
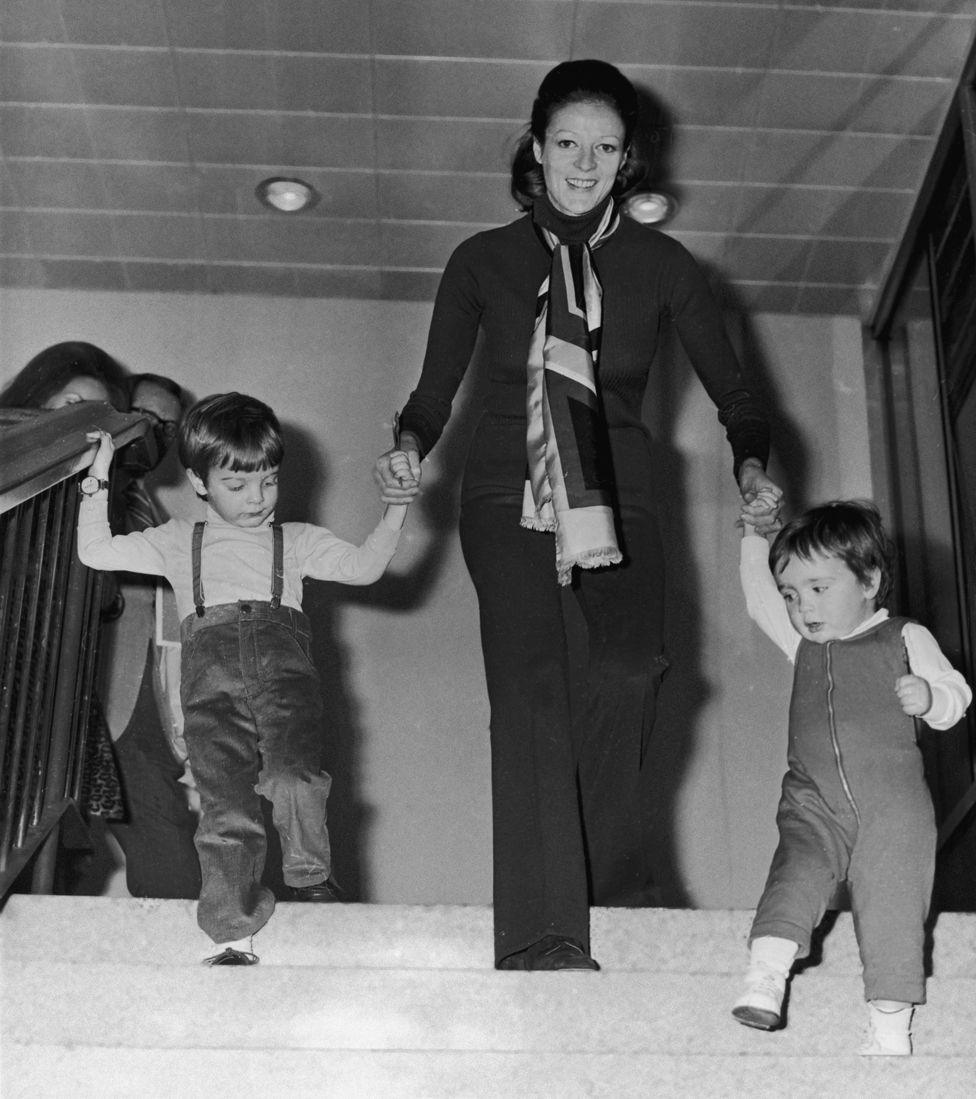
586	81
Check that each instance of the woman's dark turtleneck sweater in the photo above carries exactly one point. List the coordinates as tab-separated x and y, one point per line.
570	228
649	280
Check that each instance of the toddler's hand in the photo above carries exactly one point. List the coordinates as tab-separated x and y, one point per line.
103	457
914	694
761	513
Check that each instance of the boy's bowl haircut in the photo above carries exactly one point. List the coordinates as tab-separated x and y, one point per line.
230	431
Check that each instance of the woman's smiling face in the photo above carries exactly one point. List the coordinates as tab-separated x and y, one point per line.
581	155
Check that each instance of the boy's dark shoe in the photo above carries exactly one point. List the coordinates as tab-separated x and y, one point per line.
323	892
550	953
230	956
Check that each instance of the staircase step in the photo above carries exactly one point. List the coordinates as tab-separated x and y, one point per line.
412	936
105	997
304	1008
52	1071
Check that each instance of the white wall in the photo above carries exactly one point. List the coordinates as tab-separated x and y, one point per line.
401	661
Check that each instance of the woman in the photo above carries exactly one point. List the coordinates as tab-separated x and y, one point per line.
561	447
67	373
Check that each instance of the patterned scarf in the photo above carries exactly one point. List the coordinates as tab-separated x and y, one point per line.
569	486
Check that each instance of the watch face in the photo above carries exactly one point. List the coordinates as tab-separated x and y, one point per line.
90	485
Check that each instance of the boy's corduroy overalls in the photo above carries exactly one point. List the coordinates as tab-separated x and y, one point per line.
253	726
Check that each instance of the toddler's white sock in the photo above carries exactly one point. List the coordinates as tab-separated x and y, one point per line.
780	954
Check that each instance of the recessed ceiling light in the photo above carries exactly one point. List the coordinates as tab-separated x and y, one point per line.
287	195
650	207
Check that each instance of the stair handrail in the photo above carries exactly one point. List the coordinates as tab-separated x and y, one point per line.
49	626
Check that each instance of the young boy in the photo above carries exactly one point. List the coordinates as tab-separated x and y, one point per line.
854	805
250	693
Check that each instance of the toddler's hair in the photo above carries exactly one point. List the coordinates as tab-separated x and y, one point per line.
848	529
230	431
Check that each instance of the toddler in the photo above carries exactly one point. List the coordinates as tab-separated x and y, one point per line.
250	694
854	804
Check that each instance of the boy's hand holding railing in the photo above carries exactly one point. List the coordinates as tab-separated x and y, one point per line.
102	462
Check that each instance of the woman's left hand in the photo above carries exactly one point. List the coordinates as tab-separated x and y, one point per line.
762	497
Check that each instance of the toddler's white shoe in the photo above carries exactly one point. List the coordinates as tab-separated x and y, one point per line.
761	1004
889	1033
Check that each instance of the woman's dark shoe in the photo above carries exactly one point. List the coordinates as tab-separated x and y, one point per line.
230	956
550	953
323	892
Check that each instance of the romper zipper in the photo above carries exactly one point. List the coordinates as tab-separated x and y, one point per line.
833	730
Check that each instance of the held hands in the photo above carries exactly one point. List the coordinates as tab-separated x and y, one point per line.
914	694
762	500
103	456
397	474
400	467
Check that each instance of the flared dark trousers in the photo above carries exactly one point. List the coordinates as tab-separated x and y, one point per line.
571	812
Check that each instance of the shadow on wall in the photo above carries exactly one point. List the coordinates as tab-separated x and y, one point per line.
351	817
789	463
688	685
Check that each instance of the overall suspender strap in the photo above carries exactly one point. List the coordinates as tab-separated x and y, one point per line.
197	582
278	567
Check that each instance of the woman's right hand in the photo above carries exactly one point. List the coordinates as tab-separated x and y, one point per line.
398	489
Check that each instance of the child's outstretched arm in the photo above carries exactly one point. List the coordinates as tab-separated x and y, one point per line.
764	603
933	691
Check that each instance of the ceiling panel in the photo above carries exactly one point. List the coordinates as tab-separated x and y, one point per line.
736	36
794	135
274	82
428	198
516	29
272	26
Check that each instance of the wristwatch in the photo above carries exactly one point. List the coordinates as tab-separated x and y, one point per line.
90	485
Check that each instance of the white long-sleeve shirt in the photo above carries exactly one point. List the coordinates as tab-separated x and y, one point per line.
951	695
236	562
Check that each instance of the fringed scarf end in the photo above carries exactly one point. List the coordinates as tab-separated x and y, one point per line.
590	559
597	559
532	522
